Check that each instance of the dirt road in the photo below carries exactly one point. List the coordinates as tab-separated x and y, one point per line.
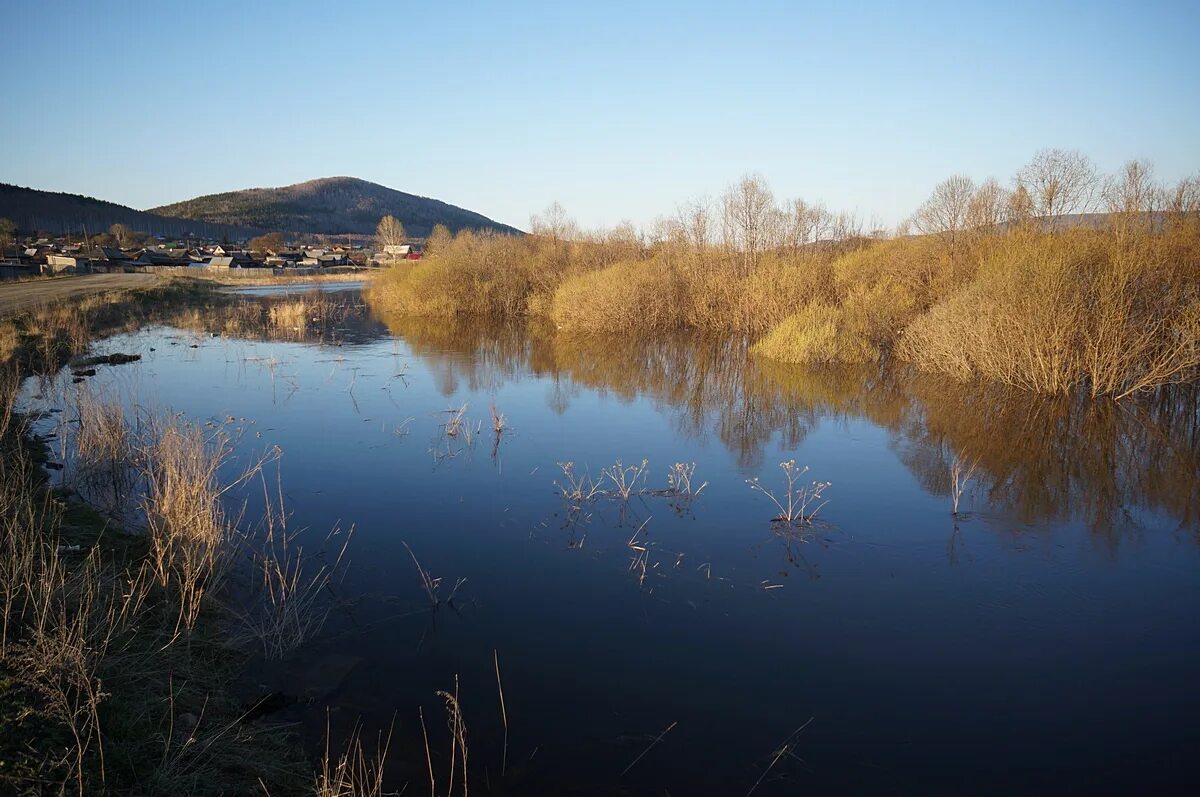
18	296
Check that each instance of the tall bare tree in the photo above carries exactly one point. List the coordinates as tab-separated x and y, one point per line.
1184	198
1020	206
988	208
947	210
1133	190
845	225
748	218
695	223
390	232
439	238
1059	182
123	234
806	223
554	223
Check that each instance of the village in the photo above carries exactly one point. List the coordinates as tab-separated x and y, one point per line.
59	255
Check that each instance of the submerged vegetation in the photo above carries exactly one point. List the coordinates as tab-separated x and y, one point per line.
1011	286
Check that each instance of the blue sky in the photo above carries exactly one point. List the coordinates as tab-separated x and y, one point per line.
618	110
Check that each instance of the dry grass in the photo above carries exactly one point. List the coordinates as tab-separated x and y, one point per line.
192	540
354	772
117	646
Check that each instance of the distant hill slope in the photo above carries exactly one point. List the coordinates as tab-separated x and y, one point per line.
31	209
331	205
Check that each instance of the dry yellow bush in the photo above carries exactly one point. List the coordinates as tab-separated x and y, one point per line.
1052	313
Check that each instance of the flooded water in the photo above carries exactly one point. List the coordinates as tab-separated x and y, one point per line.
1043	639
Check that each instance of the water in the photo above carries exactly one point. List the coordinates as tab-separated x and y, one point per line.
1044	639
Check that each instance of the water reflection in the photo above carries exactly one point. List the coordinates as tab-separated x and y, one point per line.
1038	458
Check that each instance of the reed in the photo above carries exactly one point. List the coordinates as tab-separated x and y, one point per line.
353	772
431	585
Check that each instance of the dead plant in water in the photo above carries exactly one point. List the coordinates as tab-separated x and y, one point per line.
625	479
353	773
286	609
432	585
960	477
800	504
680	484
458	738
499	422
104	468
578	489
191	538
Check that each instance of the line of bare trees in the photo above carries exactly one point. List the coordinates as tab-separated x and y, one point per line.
1055	184
747	221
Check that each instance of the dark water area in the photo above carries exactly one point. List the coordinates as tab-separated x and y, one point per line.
1045	639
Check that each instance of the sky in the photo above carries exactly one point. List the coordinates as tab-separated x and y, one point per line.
618	110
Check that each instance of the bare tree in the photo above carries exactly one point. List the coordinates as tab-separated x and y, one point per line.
845	225
1133	190
554	223
695	223
989	205
1183	199
1058	182
747	218
946	211
123	234
1020	205
390	232
439	238
805	224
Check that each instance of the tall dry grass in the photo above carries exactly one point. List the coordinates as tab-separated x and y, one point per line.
93	631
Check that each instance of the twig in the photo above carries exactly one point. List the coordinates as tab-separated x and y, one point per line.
784	749
657	739
503	714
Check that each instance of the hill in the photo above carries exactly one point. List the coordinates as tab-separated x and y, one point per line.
31	209
332	206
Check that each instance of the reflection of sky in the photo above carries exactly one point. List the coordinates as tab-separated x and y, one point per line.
1030	643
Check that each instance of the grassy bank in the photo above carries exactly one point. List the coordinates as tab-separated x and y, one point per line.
983	290
119	651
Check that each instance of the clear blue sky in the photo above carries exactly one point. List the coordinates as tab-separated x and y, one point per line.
618	110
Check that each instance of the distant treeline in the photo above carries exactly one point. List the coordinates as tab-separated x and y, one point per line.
59	213
982	282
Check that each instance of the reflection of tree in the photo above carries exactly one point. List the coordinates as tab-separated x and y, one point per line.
1041	458
1054	458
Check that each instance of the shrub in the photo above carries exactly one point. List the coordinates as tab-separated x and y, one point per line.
1060	312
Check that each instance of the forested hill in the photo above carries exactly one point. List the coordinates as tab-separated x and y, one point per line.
331	205
32	210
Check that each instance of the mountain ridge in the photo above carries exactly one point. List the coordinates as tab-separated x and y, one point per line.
328	205
63	212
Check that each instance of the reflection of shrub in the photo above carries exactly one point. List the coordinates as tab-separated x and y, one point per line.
292	315
819	333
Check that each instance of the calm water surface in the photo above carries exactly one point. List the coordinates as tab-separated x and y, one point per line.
1045	639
